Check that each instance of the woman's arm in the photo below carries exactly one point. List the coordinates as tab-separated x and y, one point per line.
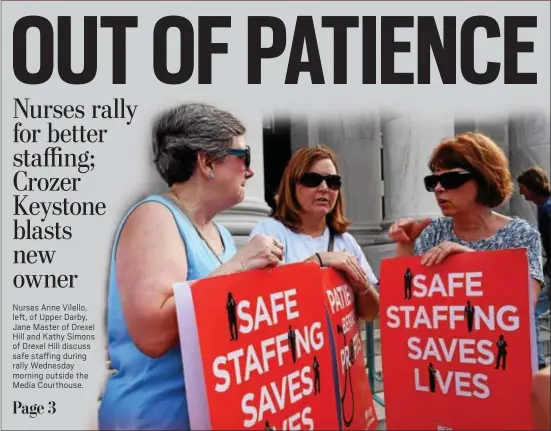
367	297
367	303
352	266
532	242
150	257
405	250
536	290
271	228
405	233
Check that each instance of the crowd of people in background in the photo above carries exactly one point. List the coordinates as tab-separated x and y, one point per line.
201	153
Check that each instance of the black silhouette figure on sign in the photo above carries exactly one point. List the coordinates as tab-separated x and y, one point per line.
347	381
469	312
351	352
232	316
291	337
432	378
407	284
316	367
501	358
267	426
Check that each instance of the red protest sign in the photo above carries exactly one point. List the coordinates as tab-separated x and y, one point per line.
265	359
356	408
456	341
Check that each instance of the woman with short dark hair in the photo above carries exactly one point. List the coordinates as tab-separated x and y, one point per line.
534	183
201	154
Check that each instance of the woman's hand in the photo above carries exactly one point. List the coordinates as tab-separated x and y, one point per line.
261	251
367	297
344	262
407	230
437	254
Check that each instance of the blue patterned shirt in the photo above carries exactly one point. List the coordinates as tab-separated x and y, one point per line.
518	233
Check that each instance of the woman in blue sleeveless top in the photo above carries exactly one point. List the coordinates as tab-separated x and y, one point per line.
200	152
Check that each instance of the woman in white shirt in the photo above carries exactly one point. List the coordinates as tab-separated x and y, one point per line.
309	221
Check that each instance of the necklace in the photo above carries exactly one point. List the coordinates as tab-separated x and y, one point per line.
175	199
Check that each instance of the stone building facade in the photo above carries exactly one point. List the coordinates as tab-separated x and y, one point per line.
383	159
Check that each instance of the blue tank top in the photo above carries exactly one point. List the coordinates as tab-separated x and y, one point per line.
149	393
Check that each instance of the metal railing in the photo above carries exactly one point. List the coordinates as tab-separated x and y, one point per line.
372	375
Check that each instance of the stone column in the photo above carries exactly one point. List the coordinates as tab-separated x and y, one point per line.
464	124
529	145
241	218
357	141
304	132
407	144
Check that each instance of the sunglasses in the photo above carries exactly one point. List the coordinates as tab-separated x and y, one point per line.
242	153
313	179
449	180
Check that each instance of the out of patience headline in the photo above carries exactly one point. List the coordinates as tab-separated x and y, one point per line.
453	44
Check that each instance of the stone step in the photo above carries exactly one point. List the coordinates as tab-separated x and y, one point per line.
379	409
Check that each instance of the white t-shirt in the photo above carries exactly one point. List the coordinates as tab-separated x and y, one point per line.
298	246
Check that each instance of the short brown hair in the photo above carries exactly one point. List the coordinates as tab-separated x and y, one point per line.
287	209
477	153
534	179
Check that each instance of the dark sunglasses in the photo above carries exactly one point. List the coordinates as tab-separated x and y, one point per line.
244	153
449	180
313	179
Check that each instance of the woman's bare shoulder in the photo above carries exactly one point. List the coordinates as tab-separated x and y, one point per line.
150	241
